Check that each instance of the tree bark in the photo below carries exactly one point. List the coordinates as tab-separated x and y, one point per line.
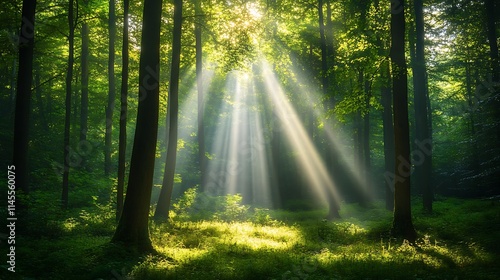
23	96
122	145
164	200
402	224
132	230
111	89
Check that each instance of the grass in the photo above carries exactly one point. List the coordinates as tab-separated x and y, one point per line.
458	241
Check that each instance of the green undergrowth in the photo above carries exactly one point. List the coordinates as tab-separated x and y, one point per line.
229	240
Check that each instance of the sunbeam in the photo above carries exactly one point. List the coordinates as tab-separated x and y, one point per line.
309	158
346	161
239	165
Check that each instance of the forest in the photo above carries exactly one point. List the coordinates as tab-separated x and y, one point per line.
250	139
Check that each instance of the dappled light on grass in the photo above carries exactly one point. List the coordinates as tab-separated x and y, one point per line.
311	248
273	244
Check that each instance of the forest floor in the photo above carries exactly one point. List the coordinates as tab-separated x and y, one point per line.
458	241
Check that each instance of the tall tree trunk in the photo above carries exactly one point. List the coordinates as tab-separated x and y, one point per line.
122	146
67	119
324	51
333	208
164	199
132	230
23	96
199	83
402	224
111	89
84	105
422	162
388	136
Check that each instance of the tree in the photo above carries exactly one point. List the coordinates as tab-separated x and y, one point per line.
333	208
84	105
423	165
23	97
111	88
402	223
122	146
199	83
67	120
163	205
388	124
132	230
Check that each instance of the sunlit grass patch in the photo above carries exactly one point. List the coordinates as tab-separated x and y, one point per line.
305	246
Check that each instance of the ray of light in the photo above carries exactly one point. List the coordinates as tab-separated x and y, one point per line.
314	103
309	159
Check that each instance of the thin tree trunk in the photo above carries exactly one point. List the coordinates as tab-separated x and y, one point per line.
111	89
164	199
388	136
422	165
333	208
132	230
23	96
67	120
402	224
366	145
84	105
199	82
122	146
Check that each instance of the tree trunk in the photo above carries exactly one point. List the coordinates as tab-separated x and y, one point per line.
168	177
402	224
132	230
422	160
324	51
199	82
67	120
84	105
122	146
23	96
388	137
333	208
366	146
111	89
